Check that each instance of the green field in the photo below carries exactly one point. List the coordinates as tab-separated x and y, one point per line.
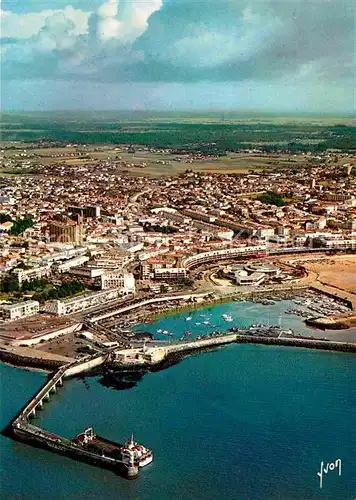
209	132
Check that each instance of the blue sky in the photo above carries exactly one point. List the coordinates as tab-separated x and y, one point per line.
287	56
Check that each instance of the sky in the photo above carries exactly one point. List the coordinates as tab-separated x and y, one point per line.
290	56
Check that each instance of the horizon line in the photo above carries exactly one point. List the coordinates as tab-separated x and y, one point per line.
330	114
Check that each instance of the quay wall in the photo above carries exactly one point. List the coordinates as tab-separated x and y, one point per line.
85	366
325	345
29	361
41	439
335	294
158	355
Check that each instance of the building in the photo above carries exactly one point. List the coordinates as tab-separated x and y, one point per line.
265	232
145	271
66	232
117	279
228	253
7	200
87	271
262	268
68	264
152	252
92	212
351	224
81	303
12	312
242	278
170	273
32	273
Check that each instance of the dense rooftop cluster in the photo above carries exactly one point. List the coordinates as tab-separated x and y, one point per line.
99	211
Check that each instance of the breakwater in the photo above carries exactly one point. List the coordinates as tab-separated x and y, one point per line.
151	356
22	429
28	361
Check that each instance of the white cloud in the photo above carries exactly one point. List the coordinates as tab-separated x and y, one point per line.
108	9
126	23
24	26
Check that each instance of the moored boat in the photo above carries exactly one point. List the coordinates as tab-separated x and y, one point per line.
131	454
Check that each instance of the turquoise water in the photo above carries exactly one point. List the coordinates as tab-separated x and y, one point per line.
241	422
244	314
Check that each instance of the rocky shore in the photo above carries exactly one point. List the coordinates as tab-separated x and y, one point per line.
27	361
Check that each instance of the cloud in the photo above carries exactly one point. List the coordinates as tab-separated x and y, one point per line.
24	26
183	41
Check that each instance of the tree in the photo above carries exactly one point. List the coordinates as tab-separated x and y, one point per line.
272	198
20	225
9	285
5	218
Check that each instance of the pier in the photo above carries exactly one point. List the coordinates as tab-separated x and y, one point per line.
23	428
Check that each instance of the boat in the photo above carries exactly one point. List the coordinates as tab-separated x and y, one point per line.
227	317
188	319
206	322
131	454
137	452
165	332
187	333
160	330
198	324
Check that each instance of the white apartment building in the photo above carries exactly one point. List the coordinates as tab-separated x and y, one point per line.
68	264
117	279
12	312
152	252
169	273
29	274
77	304
87	271
226	253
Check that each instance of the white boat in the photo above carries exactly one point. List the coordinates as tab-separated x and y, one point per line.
160	330
206	322
165	332
227	317
145	461
198	324
188	319
134	452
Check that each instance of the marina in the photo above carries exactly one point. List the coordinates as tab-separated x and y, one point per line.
289	311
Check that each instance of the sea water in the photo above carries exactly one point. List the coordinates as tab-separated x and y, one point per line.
241	422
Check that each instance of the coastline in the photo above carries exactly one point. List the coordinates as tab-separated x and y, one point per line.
48	363
48	366
29	363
